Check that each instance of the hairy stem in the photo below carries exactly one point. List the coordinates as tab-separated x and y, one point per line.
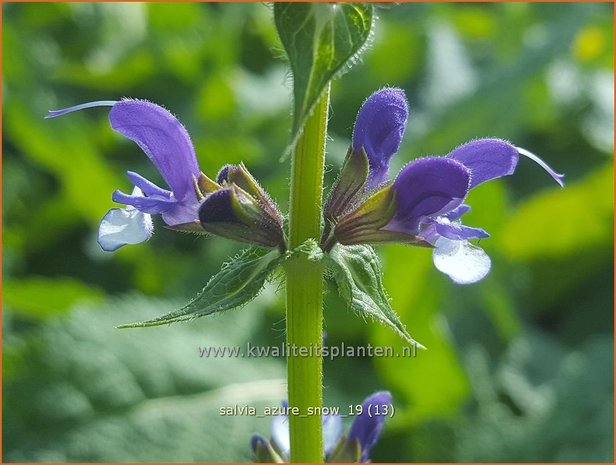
305	289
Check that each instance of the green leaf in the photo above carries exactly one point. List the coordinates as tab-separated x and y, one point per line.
320	39
357	272
237	283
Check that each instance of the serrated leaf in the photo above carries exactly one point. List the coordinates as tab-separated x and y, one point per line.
237	283
357	272
320	39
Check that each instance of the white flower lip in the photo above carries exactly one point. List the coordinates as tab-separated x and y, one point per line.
121	226
463	262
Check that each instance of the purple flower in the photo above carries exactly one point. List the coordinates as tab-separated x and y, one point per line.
363	435
377	134
429	195
167	144
424	205
378	130
367	426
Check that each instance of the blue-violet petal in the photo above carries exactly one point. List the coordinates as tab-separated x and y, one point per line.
427	187
163	139
153	205
486	159
367	426
147	186
379	129
458	232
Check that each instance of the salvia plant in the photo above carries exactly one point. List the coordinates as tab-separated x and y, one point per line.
421	206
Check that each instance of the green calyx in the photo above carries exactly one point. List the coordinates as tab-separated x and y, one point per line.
345	452
205	186
363	225
349	185
234	213
265	453
240	176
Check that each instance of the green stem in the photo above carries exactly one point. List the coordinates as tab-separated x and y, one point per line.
305	289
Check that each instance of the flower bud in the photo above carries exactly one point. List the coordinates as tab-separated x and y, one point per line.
367	426
240	176
223	175
379	129
232	212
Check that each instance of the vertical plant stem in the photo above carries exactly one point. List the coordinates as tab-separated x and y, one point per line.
305	289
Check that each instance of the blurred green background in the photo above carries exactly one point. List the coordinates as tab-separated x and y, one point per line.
519	366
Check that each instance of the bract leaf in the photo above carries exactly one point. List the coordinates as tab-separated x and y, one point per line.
237	283
321	40
357	272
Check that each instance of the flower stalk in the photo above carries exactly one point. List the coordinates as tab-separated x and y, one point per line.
304	300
